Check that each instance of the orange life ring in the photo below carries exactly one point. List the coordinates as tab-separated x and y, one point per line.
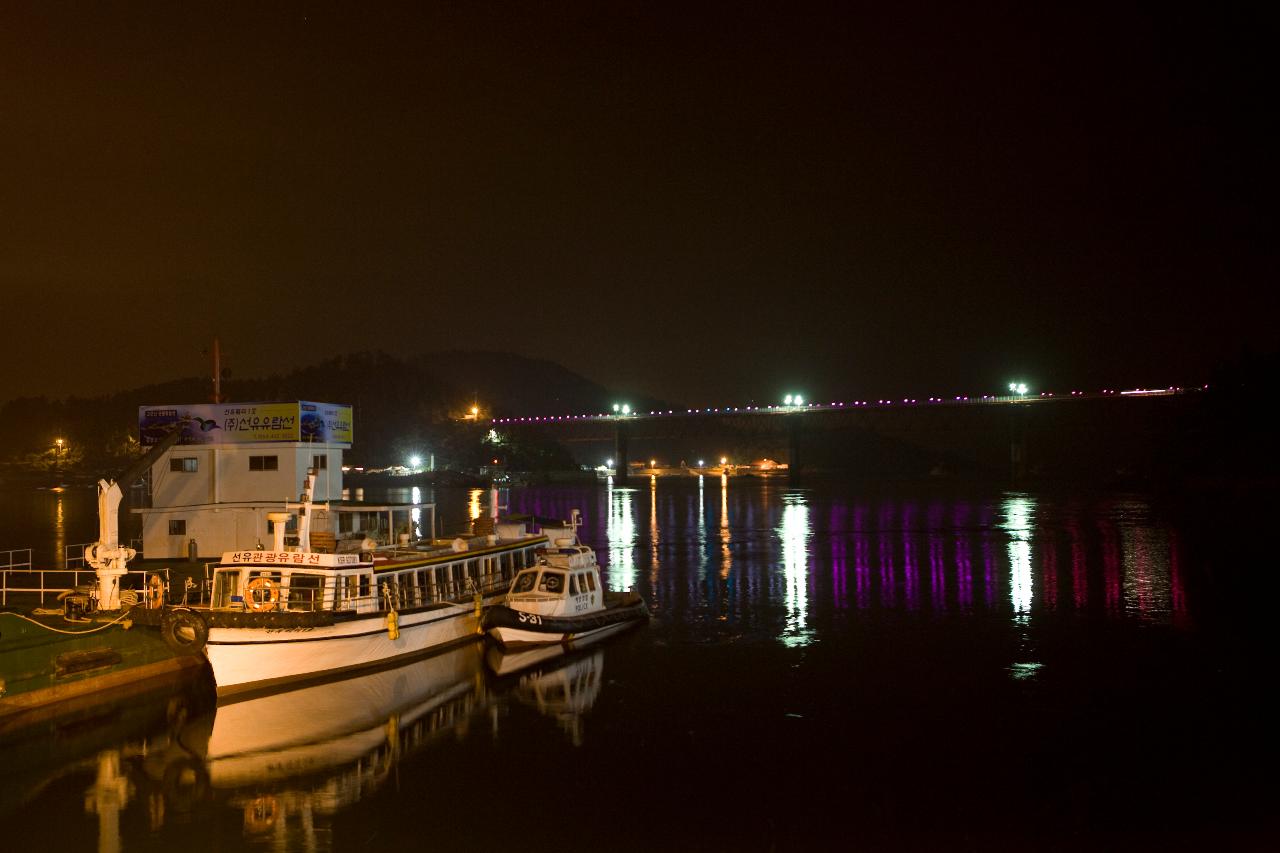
155	592
262	583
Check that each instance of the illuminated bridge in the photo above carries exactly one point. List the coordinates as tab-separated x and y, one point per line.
1108	431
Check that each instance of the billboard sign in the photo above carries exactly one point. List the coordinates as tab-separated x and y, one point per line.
246	423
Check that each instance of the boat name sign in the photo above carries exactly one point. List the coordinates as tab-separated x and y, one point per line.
290	558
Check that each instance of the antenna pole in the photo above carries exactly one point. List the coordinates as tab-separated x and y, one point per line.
217	371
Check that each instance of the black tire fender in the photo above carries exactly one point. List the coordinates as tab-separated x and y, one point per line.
184	630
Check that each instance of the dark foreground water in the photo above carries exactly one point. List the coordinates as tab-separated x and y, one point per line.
918	667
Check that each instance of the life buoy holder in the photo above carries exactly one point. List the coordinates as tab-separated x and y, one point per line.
262	594
260	814
155	592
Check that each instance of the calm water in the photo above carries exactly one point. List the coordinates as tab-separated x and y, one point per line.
896	668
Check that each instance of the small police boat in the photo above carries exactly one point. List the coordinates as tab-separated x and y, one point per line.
561	599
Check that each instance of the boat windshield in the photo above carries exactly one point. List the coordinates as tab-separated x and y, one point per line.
524	582
551	582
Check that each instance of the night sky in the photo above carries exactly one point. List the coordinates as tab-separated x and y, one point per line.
707	203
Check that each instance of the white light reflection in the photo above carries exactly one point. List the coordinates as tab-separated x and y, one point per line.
621	533
794	532
474	505
1018	515
415	514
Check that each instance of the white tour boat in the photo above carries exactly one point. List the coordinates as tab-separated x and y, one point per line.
562	599
286	614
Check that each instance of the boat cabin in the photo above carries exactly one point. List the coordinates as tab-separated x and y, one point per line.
398	579
564	582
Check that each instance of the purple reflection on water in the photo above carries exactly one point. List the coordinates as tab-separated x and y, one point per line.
909	571
988	570
1050	584
964	572
1177	590
937	574
1079	580
886	570
839	572
862	570
1111	578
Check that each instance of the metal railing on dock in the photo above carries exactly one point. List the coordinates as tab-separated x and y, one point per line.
19	578
12	561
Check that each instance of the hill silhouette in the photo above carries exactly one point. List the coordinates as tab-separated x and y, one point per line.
399	405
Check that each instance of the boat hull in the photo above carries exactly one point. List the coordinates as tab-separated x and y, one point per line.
516	628
245	658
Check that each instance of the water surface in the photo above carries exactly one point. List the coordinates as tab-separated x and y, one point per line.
913	667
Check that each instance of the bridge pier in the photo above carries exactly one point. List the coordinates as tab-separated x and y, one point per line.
621	464
1018	443
795	461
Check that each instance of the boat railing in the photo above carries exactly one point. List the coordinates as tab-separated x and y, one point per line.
41	583
16	561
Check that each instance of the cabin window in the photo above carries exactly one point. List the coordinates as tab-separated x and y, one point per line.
591	581
524	582
177	527
184	464
551	582
264	463
306	592
320	461
573	585
226	585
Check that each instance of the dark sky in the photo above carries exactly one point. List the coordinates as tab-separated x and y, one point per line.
710	203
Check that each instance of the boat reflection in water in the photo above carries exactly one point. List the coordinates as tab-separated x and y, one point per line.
555	681
288	762
312	751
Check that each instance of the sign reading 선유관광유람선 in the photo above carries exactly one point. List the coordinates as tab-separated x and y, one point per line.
244	423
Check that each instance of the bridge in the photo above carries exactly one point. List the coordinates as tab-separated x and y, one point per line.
1018	434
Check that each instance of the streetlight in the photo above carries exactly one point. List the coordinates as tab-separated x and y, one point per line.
1019	388
415	462
57	453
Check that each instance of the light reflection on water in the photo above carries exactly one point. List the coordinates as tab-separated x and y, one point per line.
735	550
1018	518
794	533
621	529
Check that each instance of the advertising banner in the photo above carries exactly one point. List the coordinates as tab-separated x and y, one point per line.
244	423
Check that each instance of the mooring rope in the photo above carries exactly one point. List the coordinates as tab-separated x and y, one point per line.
59	630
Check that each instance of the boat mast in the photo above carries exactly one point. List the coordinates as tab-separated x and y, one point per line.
217	370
